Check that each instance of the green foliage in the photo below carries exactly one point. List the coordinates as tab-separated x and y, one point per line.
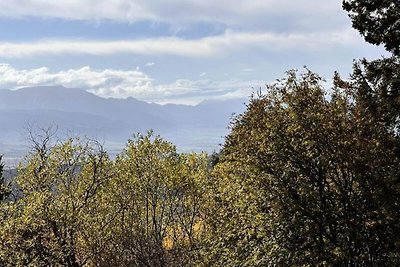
306	180
155	197
377	21
58	188
4	194
375	86
76	207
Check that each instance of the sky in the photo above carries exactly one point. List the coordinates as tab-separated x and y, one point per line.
173	51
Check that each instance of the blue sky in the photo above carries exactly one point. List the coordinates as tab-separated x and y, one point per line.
175	51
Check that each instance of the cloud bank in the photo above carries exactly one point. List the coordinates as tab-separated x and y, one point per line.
242	12
123	84
228	42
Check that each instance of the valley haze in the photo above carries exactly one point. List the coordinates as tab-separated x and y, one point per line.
111	121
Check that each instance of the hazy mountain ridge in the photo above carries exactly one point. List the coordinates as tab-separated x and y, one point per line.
82	113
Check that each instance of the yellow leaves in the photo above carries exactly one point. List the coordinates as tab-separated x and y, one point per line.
85	204
168	243
58	195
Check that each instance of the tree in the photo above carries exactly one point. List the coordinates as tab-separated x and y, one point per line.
155	197
378	80
58	189
4	194
376	84
377	21
76	207
306	179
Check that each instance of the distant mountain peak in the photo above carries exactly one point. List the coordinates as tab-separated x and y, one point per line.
51	89
116	119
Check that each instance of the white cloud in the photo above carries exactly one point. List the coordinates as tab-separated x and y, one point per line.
121	10
242	12
172	46
108	82
184	91
130	83
149	64
228	42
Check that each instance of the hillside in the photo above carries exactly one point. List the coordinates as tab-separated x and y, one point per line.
113	121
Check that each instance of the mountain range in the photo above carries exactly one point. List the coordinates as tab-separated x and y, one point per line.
113	121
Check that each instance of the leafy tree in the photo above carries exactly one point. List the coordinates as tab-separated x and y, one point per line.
376	83
58	188
305	179
76	207
4	193
155	197
375	86
377	21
